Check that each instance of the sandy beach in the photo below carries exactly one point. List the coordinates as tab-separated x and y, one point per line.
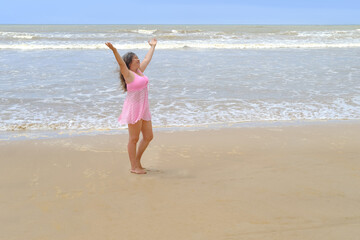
274	182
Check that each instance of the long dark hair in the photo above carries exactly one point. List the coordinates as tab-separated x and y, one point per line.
128	57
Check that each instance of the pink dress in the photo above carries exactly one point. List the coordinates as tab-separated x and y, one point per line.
136	105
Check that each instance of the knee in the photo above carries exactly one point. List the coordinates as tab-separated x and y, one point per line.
148	138
133	140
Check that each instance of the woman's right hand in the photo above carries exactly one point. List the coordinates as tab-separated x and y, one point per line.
110	46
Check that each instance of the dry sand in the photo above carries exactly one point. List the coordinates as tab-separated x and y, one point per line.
284	182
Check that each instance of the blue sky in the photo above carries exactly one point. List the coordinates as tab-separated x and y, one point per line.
180	12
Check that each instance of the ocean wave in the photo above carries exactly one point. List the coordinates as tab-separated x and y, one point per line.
72	38
144	31
180	45
329	34
52	36
23	36
287	33
194	113
16	35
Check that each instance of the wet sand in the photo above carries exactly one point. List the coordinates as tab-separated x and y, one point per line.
275	182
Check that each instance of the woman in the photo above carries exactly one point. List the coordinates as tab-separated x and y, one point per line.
135	111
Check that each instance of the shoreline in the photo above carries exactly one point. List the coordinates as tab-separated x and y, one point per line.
21	135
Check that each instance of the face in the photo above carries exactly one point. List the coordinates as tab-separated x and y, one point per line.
135	63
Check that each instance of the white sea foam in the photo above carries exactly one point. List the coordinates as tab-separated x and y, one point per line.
24	36
166	114
180	45
202	37
144	31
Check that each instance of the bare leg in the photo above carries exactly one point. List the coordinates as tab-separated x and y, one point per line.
134	132
147	133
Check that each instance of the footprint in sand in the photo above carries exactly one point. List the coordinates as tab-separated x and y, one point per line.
68	164
89	172
67	194
183	155
35	180
100	173
235	151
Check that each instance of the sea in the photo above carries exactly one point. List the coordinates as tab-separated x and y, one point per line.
64	78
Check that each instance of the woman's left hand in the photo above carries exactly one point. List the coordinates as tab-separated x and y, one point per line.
152	42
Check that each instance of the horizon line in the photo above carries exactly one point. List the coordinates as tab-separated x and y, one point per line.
243	24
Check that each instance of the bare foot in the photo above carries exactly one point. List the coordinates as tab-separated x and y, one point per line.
141	167
138	171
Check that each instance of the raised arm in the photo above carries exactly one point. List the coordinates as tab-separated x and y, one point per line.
149	55
123	68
